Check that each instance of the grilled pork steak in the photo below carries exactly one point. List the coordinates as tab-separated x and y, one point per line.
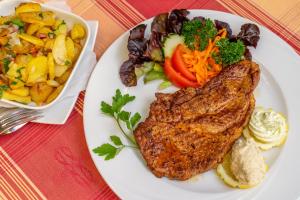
190	131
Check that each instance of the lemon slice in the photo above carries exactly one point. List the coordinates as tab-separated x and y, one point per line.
264	146
224	172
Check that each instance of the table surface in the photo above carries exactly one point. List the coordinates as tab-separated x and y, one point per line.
52	161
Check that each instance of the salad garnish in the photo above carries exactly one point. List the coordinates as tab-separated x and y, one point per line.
229	52
197	33
190	51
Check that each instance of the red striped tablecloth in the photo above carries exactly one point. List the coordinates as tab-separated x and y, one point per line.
52	162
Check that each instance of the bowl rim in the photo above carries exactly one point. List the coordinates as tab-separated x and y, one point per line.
76	66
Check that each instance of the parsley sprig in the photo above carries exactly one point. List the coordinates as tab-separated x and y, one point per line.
115	110
229	52
109	150
19	77
18	22
197	33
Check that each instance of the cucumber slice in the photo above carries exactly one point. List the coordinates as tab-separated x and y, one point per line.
171	43
164	85
153	75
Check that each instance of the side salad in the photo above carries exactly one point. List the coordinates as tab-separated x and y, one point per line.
184	52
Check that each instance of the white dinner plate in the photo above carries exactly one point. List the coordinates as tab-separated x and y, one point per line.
127	174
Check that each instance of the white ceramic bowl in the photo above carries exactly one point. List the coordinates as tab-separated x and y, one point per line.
7	7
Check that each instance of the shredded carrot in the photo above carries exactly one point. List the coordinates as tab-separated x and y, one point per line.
201	63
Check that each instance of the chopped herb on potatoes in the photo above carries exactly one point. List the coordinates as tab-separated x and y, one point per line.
37	54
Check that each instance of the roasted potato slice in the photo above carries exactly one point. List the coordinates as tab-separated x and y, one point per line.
49	44
64	77
17	75
59	50
21	49
53	83
77	32
32	28
39	92
77	50
13	71
24	48
4	32
46	18
23	60
22	92
16	84
51	66
3	80
70	48
3	40
5	19
54	94
28	7
31	39
12	97
60	70
61	29
57	23
43	31
37	70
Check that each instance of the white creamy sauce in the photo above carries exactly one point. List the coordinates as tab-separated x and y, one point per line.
267	125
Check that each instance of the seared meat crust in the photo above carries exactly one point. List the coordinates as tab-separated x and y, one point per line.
190	131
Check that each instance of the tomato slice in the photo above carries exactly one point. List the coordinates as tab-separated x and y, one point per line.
175	77
179	65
